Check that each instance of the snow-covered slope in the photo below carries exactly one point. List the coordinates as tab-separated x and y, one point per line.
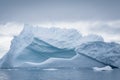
37	45
108	53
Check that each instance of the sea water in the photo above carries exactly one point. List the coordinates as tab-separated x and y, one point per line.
58	74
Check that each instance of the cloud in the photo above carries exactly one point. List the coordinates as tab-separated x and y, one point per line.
106	28
7	32
109	30
10	29
5	42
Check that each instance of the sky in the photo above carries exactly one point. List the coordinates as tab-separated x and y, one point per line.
101	17
28	11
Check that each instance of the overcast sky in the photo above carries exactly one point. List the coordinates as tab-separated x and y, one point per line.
101	17
27	11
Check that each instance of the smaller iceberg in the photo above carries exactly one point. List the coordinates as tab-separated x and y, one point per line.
51	69
106	68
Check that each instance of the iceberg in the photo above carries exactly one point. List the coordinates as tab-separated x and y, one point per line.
105	52
48	47
106	68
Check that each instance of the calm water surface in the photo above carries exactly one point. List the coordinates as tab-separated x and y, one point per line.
58	74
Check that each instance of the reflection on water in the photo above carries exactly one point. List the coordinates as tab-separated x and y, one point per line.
58	74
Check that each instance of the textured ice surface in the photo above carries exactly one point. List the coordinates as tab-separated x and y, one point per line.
36	52
36	46
78	61
108	53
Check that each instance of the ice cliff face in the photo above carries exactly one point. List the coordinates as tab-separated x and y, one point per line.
108	53
36	46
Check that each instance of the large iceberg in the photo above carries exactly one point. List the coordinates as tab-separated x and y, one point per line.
48	47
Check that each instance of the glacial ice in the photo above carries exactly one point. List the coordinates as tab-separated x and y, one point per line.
78	61
54	47
105	52
37	51
106	68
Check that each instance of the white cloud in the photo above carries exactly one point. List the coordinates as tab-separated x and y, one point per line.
10	29
5	42
7	31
